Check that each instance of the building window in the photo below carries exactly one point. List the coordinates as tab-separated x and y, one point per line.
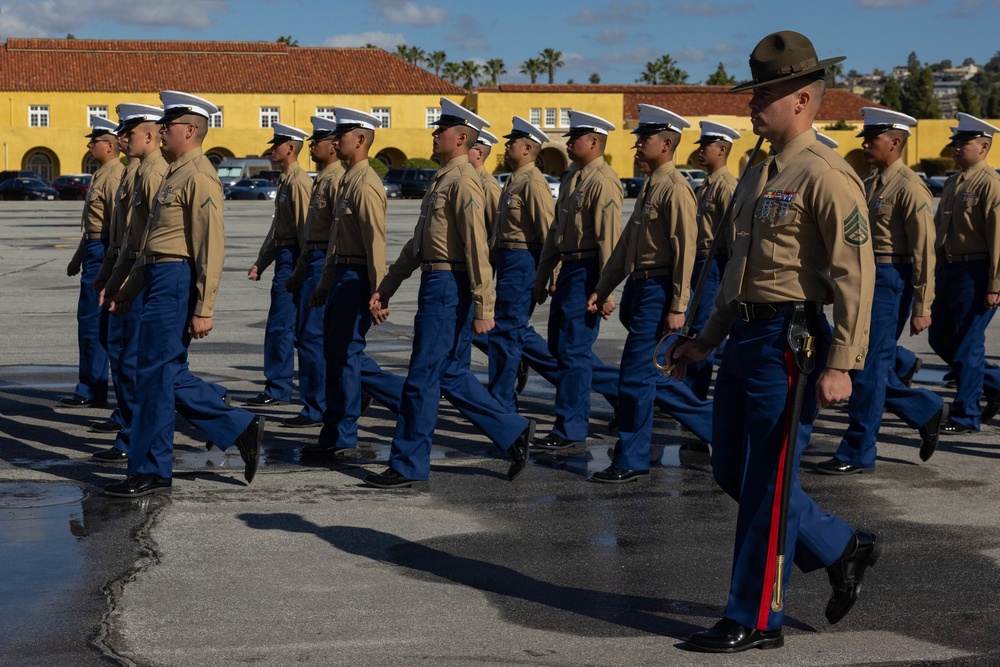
90	165
535	117
269	116
98	110
550	117
326	113
433	116
38	115
40	162
215	120
383	114
564	118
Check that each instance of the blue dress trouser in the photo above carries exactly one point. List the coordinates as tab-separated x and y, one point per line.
905	357
515	276
958	335
572	332
163	379
93	384
348	369
112	330
439	365
699	374
280	330
752	399
309	341
876	386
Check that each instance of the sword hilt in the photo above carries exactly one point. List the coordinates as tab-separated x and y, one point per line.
777	600
668	368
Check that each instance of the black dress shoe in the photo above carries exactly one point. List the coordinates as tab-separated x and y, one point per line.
837	467
613	424
522	376
615	475
77	401
106	426
862	552
318	451
930	433
262	399
990	411
300	421
908	378
728	636
554	443
110	455
138	485
366	401
519	451
227	399
249	445
390	479
954	428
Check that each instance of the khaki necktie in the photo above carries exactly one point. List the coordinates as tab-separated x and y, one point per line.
632	254
563	220
418	234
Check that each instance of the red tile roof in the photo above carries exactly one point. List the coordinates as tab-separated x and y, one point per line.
76	65
838	104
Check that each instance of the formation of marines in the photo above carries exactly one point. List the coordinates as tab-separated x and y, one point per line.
799	237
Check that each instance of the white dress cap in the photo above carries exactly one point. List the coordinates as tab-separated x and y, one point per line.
322	127
522	129
454	114
352	119
970	127
712	132
487	138
284	132
825	140
657	119
137	113
585	123
878	121
176	103
100	126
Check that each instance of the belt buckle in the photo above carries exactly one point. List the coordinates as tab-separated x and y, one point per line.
744	310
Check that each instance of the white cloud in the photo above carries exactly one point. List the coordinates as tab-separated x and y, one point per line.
405	12
56	17
387	41
617	12
612	36
709	9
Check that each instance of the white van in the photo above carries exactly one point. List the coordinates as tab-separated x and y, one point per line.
233	169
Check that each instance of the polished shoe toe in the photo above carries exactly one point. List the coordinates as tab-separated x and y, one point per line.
390	479
728	636
318	451
615	475
847	573
930	433
366	401
519	451
522	376
138	485
837	467
77	401
914	369
106	426
110	455
990	411
249	446
554	443
300	421
262	399
954	428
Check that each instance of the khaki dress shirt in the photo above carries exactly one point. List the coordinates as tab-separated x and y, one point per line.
99	207
713	198
319	218
967	218
291	206
119	220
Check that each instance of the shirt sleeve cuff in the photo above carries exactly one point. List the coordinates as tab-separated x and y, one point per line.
846	358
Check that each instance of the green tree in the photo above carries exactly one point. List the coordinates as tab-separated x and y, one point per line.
411	54
720	78
670	73
892	95
70	36
993	101
451	71
553	61
532	67
918	91
969	100
494	69
287	40
595	78
436	61
469	72
652	73
834	72
378	166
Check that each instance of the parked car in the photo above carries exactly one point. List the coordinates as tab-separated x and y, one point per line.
13	173
27	188
696	177
72	186
632	186
412	182
252	188
271	175
551	180
936	185
233	169
393	191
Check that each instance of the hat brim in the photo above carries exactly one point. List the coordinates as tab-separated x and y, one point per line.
320	135
823	64
99	133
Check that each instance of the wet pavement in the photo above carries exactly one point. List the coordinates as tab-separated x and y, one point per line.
308	566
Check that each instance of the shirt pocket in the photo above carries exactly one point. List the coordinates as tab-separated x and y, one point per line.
882	215
514	208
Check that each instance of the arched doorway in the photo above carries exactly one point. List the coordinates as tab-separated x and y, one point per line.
217	155
391	157
553	161
693	161
761	156
43	161
88	165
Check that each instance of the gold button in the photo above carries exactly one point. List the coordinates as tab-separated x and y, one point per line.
860	357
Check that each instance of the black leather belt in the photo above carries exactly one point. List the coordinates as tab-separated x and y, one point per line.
888	258
160	259
442	265
654	272
968	257
317	245
518	245
750	312
94	236
286	243
350	260
578	254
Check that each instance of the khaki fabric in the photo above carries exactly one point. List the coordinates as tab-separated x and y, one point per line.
713	197
291	206
319	217
968	216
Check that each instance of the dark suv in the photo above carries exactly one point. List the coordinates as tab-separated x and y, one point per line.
7	175
412	182
72	186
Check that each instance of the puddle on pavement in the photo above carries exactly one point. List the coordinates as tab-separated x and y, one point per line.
598	457
931	376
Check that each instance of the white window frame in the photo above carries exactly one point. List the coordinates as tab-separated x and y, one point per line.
551	116
269	116
216	119
535	117
384	114
38	115
96	110
564	117
326	113
433	115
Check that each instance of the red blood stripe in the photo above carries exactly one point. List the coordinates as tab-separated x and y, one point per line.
767	591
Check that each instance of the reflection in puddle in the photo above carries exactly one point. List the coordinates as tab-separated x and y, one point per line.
598	457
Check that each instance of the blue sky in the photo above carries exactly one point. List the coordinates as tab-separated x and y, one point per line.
614	38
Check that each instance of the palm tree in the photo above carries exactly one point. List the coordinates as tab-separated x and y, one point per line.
287	40
652	73
436	61
469	71
532	67
451	71
494	69
411	54
552	60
